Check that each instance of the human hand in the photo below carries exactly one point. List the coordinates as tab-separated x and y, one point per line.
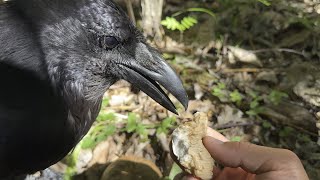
246	161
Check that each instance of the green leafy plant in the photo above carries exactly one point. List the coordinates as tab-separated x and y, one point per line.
236	139
236	97
172	23
71	161
187	22
142	131
218	90
266	124
134	126
131	123
105	102
102	117
304	138
175	170
255	106
265	2
165	125
277	96
97	135
286	131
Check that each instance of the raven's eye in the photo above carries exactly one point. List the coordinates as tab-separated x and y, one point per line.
108	42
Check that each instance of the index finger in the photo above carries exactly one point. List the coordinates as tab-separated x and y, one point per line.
253	158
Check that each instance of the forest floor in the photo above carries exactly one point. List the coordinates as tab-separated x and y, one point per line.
254	69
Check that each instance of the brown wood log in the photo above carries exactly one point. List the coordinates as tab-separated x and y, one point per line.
292	115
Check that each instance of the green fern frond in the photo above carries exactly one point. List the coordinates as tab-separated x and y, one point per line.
172	23
188	22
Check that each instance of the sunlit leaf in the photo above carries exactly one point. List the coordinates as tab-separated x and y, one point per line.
88	142
236	139
265	2
131	123
175	170
236	97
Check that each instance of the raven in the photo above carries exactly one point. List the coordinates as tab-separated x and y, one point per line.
57	58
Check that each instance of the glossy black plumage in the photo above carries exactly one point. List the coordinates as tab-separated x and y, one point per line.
57	58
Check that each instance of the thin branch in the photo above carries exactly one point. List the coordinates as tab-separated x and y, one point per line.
280	50
231	125
249	70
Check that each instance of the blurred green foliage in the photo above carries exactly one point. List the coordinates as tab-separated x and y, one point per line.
218	90
277	96
135	126
262	24
165	125
236	97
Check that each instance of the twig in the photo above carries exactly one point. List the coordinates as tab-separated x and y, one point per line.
231	125
313	94
301	129
253	70
280	50
175	50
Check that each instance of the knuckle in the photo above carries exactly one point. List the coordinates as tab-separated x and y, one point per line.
240	149
242	146
289	154
245	145
291	158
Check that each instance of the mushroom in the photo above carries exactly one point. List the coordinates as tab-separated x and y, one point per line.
187	146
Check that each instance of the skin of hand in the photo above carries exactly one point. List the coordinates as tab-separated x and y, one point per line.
246	161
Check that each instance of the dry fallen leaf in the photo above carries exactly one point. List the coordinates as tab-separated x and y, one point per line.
243	55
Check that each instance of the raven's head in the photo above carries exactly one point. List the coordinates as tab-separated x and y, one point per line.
90	44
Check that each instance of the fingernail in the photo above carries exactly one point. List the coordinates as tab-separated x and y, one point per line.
188	177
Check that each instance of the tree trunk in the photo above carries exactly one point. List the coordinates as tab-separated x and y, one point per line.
151	19
130	11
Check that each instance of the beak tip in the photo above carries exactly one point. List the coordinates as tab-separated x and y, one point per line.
171	109
175	112
185	105
184	101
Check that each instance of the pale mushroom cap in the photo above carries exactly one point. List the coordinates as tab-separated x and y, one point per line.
187	146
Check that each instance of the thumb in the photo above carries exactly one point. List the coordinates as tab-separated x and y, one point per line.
252	158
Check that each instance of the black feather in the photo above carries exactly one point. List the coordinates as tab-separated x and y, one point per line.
54	70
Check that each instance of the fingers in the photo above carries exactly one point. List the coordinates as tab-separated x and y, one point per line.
234	173
262	161
252	158
188	177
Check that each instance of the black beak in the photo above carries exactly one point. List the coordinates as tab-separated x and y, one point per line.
149	74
